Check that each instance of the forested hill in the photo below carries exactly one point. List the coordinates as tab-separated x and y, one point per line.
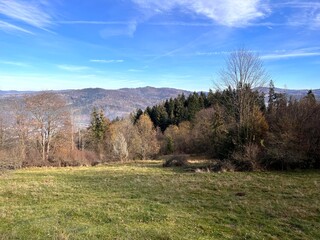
116	103
121	102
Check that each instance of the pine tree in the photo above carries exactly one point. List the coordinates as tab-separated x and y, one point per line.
99	124
98	128
272	97
311	99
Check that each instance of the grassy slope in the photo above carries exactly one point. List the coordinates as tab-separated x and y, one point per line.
145	201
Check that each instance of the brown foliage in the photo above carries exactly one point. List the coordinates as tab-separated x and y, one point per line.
145	139
294	137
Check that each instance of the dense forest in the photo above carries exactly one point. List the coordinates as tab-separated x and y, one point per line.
233	125
282	134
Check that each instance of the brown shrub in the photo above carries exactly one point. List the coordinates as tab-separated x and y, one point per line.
176	161
247	159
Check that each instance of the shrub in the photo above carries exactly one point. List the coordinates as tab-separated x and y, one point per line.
246	159
223	166
176	161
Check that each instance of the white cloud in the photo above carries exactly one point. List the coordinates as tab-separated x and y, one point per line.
224	12
309	52
212	53
119	30
94	22
317	20
18	64
73	68
106	61
7	27
135	70
303	13
297	4
30	12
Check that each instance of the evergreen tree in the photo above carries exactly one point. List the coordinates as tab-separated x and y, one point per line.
310	98
98	128
272	97
193	105
137	115
98	125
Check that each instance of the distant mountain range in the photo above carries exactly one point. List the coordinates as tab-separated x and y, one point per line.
122	102
115	103
297	94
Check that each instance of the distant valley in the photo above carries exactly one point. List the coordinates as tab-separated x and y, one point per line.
115	103
122	102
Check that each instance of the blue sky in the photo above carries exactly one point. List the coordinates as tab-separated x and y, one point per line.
73	44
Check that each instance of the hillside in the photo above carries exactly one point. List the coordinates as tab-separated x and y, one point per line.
116	103
121	102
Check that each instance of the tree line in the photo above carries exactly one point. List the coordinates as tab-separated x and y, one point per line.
38	130
232	124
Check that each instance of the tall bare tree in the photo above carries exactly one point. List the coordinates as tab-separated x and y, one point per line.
21	127
120	147
243	72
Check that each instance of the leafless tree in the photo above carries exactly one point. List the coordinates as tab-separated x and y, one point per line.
243	69
49	115
243	72
21	127
120	147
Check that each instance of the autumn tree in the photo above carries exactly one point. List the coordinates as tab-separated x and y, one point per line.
170	141
146	138
178	138
202	132
128	130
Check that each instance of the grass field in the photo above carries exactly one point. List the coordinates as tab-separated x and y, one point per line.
145	201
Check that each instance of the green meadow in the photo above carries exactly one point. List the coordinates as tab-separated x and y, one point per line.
143	200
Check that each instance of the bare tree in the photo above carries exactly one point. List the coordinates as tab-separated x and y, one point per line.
243	73
243	69
49	115
120	147
21	127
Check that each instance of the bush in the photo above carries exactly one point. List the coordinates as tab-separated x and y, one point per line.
246	159
176	161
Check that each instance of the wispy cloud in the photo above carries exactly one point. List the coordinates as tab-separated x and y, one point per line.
8	27
135	70
232	13
73	68
93	22
190	44
106	60
119	30
297	4
212	53
13	63
32	13
303	13
167	23
283	54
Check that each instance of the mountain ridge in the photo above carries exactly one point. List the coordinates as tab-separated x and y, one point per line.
114	102
121	102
